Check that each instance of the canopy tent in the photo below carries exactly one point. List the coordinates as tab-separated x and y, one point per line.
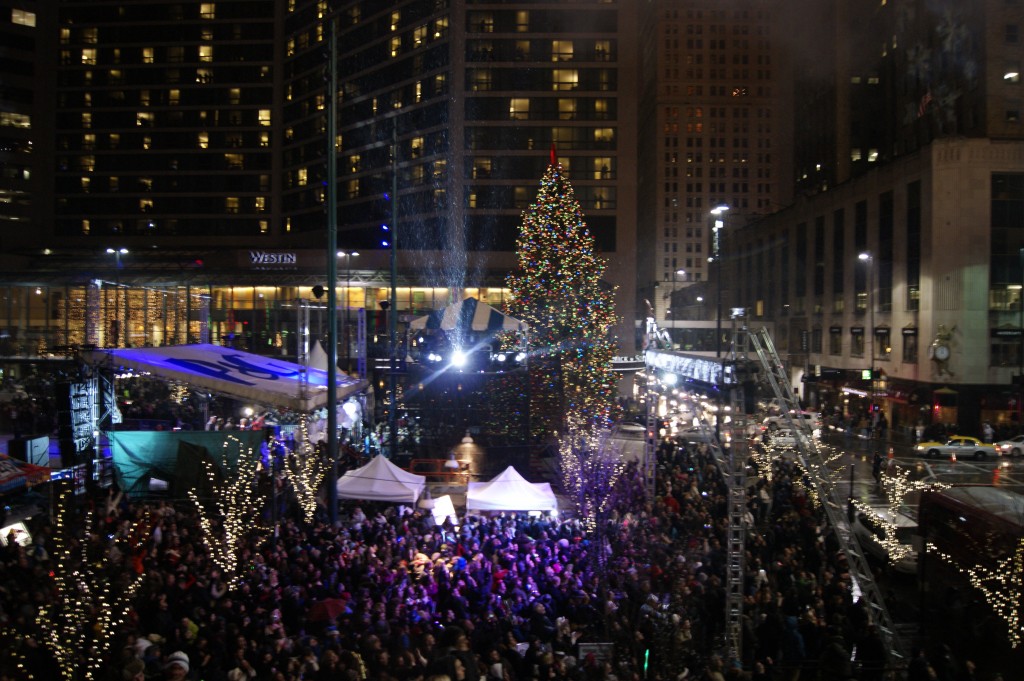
176	457
381	480
510	491
243	375
469	315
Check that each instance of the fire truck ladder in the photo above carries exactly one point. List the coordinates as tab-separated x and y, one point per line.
828	493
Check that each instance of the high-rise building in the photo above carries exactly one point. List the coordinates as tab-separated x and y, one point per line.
165	125
716	130
450	112
202	126
19	104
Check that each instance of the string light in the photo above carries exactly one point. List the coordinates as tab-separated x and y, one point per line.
557	290
235	503
1000	587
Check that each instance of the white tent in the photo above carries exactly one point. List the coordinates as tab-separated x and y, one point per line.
381	480
510	491
264	380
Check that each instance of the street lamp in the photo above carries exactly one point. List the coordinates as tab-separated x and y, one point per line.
348	302
870	298
672	294
716	249
117	253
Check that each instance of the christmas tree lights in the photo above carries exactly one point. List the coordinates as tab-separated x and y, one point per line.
557	290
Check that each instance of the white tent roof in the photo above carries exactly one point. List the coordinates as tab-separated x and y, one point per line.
244	375
510	491
469	315
381	480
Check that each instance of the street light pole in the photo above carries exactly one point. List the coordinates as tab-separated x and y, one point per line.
117	253
716	236
870	296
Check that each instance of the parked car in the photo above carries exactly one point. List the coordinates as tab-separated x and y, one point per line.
811	419
1012	447
784	438
702	433
962	446
898	547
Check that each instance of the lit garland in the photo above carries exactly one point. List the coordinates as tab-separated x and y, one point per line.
304	469
86	608
1000	587
236	503
557	290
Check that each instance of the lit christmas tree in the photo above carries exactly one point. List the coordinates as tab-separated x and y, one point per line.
557	290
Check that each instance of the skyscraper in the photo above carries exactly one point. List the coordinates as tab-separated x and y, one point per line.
716	129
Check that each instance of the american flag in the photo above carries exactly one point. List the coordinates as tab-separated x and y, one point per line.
922	107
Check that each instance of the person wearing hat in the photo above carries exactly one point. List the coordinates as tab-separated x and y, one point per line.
176	666
134	670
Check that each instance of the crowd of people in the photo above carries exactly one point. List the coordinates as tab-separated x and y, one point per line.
385	594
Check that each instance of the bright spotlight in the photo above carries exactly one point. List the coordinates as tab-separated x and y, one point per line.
501	357
458	359
670	379
521	357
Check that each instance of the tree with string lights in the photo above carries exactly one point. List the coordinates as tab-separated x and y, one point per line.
557	289
89	600
227	519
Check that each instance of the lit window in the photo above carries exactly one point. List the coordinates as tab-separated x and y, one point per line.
86	119
235	95
302	177
566	109
206	53
145	205
85	227
419	91
522	21
602	168
23	17
86	181
604	134
89	56
264	226
264	117
565	79
204	140
561	50
147	142
173	97
396	46
395	18
261	204
207	10
264	139
204	75
419	35
234	161
231	204
519	109
147	55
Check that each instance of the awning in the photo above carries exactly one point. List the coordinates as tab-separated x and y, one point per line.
469	315
244	375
